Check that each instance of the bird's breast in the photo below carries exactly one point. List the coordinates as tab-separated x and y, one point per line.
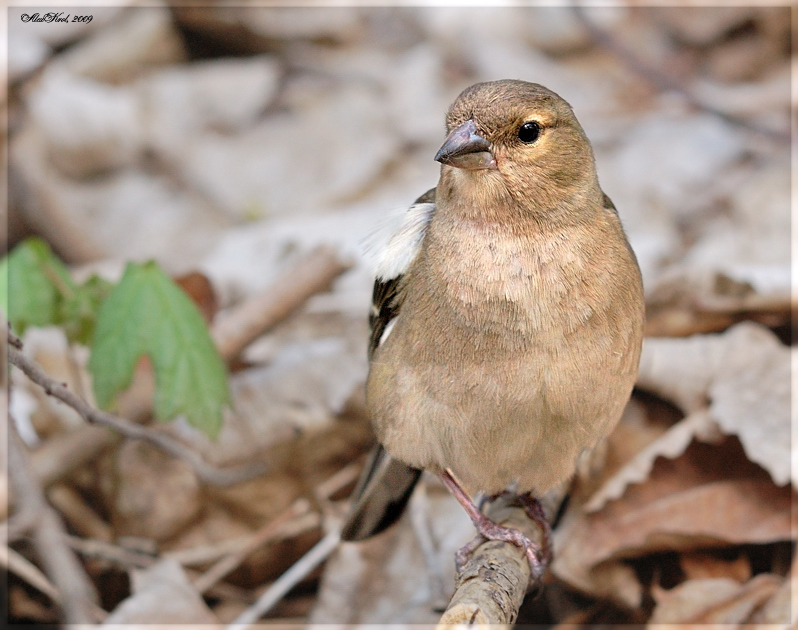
487	278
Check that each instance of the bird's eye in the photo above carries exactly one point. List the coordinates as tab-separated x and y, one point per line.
529	132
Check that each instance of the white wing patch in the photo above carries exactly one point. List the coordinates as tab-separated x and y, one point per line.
388	330
404	245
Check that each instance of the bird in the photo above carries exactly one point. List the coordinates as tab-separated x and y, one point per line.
507	318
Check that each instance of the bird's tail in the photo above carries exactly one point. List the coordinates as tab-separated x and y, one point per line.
380	497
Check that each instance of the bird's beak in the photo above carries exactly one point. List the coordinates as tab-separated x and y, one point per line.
465	148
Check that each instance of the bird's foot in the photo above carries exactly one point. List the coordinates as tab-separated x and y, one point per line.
488	530
465	552
534	510
537	555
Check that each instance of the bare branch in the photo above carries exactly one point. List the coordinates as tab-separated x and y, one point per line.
301	569
120	556
263	311
21	567
313	558
77	595
205	471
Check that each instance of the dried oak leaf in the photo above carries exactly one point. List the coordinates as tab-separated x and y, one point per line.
713	600
671	444
712	495
737	382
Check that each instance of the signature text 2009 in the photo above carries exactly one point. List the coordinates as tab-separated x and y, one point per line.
55	17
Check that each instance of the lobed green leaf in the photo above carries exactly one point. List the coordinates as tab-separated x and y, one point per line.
35	283
148	314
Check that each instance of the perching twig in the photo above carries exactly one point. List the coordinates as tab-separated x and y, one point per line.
663	82
491	586
76	592
263	311
81	518
205	471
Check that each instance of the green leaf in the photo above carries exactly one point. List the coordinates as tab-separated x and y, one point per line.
78	312
148	314
35	284
4	285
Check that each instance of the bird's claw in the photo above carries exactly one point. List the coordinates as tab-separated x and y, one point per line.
488	530
465	552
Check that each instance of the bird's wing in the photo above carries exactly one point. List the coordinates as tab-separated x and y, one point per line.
386	484
397	256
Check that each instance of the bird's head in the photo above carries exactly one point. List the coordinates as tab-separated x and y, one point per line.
516	139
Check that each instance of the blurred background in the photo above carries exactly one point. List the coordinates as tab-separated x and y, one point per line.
228	142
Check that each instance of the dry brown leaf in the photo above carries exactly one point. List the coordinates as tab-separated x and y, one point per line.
779	609
692	598
200	290
709	496
640	425
742	375
617	581
713	600
672	444
782	607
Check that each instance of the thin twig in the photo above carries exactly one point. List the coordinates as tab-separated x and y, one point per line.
250	319
205	471
307	563
125	558
664	82
323	491
205	554
63	453
261	537
21	523
23	568
77	513
77	595
338	481
313	558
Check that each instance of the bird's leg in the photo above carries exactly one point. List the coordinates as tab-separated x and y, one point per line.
488	530
534	510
